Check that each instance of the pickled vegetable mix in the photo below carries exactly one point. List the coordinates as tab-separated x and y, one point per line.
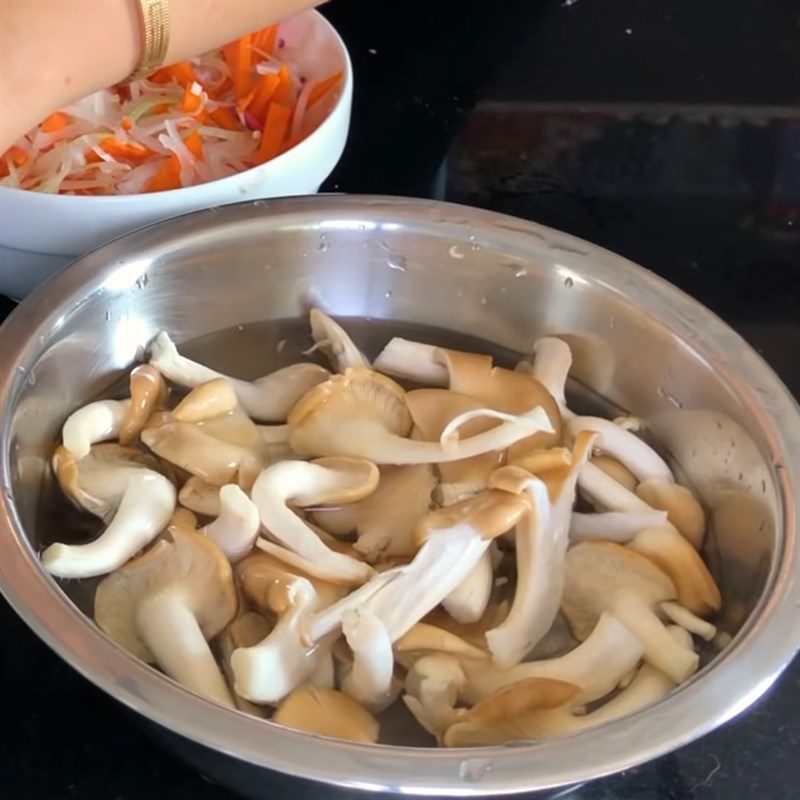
186	124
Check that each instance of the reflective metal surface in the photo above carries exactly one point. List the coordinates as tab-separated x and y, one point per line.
713	404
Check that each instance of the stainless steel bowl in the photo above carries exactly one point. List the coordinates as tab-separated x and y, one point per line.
711	402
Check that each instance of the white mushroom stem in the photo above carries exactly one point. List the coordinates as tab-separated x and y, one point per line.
268	399
369	681
603	492
626	447
412	361
615	526
433	685
597	665
317	569
551	365
168	625
145	507
296	481
236	527
689	621
333	340
468	601
96	422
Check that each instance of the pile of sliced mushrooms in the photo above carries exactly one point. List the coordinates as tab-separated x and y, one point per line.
313	546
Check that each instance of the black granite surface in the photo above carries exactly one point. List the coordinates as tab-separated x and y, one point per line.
666	130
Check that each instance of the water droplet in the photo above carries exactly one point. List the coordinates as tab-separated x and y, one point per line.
279	347
612	323
569	283
456	252
362	227
473	769
323	243
670	398
21	369
473	243
484	301
108	315
396	261
303	254
387	294
32	379
520	273
240	327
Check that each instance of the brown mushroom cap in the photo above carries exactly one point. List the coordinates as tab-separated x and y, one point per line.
472	632
148	391
327	712
544	460
211	399
683	508
501	717
673	554
425	638
616	470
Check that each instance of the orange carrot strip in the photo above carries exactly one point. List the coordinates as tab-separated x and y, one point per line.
161	108
264	40
284	89
322	87
125	151
167	177
194	144
16	155
182	73
275	127
55	122
263	94
4	170
191	101
126	123
226	119
237	55
92	157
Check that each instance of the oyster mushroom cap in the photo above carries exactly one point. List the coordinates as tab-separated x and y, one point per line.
327	712
362	413
267	399
670	552
324	481
432	688
424	638
334	342
604	576
683	508
148	393
96	422
134	501
164	606
207	400
614	526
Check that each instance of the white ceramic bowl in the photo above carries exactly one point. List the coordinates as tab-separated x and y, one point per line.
40	233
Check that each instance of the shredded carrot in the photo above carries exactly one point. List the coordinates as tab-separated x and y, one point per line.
322	87
237	54
275	127
263	94
55	122
127	124
225	118
191	101
125	151
92	157
284	89
4	170
167	177
16	155
194	144
182	73
264	40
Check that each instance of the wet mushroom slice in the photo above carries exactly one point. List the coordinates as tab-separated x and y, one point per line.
432	688
134	501
552	360
472	632
362	413
542	537
597	665
327	712
385	520
200	496
321	482
614	526
245	630
267	399
505	716
214	398
164	606
683	508
96	422
467	602
423	639
670	552
616	470
604	576
334	342
236	527
148	394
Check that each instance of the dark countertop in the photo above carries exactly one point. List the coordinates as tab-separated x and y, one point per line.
668	132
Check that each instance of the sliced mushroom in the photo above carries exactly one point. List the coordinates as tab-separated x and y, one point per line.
617	470
413	361
544	460
670	552
597	665
604	576
614	526
148	393
473	632
467	602
506	716
165	606
607	494
268	399
200	496
385	520
236	527
215	398
334	342
327	712
432	687
96	422
542	537
321	482
551	364
136	503
683	508
362	413
369	680
688	621
245	630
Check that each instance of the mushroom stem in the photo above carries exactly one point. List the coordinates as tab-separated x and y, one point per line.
170	629
274	434
551	365
145	509
691	622
614	526
236	527
95	422
412	361
625	446
467	602
605	493
660	648
369	681
268	399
